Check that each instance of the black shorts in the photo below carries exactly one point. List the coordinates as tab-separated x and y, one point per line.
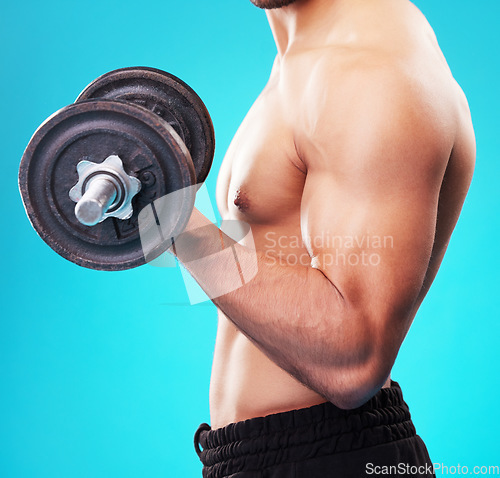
376	439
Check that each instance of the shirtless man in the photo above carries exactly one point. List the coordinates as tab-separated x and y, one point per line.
361	132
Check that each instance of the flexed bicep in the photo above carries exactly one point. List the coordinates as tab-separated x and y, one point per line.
369	210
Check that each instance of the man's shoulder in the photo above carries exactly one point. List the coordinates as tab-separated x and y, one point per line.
375	85
361	95
401	54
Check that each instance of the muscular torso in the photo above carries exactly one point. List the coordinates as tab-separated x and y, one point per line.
262	178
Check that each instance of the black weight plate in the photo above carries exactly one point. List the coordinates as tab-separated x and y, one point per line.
93	130
170	98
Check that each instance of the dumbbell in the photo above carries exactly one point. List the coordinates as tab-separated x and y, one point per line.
133	136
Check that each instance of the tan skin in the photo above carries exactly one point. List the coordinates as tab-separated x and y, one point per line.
361	130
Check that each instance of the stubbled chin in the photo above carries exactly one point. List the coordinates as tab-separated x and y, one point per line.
271	4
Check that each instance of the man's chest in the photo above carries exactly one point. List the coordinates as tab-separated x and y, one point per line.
261	178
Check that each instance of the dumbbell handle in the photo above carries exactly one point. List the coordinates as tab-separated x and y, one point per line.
98	197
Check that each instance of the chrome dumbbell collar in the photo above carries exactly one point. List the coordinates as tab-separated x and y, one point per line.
103	190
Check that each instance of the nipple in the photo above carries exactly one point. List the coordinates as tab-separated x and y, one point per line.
240	200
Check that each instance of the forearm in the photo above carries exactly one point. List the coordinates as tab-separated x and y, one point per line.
294	314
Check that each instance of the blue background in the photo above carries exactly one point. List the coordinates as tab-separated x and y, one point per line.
107	374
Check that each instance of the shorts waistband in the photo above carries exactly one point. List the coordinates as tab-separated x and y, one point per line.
303	434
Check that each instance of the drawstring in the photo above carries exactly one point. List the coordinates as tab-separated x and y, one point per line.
202	428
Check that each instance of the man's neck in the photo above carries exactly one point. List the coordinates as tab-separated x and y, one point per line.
306	23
